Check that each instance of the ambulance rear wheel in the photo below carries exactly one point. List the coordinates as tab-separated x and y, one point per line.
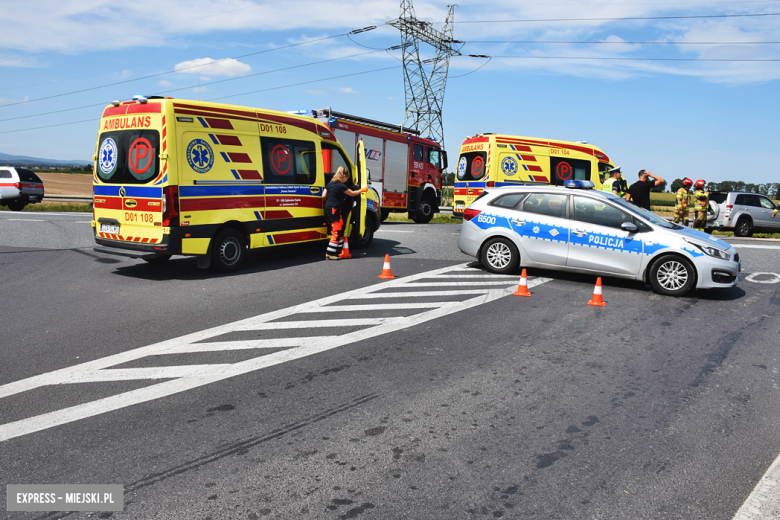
672	275
229	251
425	210
500	256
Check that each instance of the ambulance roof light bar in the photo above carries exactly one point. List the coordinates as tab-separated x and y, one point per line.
579	185
141	99
328	114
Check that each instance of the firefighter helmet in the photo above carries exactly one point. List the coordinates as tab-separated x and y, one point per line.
700	184
687	183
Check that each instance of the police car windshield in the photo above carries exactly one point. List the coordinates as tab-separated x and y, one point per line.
647	215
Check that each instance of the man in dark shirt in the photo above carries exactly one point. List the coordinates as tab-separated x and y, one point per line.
640	190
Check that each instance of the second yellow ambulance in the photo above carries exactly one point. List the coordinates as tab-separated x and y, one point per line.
489	160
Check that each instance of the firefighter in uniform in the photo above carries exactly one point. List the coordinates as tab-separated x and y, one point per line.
335	194
701	205
683	201
616	184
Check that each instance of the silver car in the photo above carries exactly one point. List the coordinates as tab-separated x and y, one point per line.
742	213
576	228
19	187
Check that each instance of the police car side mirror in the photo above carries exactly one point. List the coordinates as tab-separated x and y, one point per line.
629	226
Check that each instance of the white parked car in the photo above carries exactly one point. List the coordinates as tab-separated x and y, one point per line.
19	187
576	228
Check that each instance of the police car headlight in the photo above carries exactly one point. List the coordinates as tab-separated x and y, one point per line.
711	251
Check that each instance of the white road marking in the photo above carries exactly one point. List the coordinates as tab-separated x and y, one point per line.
187	377
754	246
26	220
57	213
392	231
764	501
752	278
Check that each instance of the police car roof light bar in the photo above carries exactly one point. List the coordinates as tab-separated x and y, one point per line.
581	185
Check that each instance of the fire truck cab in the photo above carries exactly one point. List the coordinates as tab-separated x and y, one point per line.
404	169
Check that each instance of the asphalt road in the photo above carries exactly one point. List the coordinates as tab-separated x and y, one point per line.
489	406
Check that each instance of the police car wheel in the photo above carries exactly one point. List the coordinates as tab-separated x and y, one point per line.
672	275
229	251
744	228
500	256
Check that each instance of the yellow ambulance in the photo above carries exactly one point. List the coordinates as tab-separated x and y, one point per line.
178	177
488	160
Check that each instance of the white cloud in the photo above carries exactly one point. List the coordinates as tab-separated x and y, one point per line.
227	67
164	83
348	90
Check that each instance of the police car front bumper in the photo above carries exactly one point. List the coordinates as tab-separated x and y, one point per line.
715	273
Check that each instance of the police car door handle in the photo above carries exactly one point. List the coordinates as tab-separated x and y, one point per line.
579	232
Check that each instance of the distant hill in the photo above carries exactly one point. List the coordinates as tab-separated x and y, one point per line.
8	159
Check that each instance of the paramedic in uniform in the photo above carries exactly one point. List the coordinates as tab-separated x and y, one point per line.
335	194
701	203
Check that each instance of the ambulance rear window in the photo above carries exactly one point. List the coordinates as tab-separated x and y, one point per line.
471	166
129	156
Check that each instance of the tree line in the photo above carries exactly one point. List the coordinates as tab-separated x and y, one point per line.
770	189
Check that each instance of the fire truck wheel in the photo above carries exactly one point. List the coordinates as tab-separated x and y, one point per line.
385	213
16	205
425	211
364	241
228	251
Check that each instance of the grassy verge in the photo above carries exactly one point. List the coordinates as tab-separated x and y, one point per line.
438	218
73	207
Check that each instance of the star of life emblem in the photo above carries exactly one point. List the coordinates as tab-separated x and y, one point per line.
107	156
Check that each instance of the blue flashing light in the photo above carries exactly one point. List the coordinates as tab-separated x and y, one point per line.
299	112
332	122
139	96
579	185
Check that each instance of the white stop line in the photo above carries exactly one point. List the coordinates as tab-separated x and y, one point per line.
473	286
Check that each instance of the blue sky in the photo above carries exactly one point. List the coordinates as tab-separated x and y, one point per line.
715	120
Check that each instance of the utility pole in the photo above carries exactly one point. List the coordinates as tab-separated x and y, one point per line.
425	80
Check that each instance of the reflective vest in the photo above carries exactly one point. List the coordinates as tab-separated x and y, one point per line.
613	184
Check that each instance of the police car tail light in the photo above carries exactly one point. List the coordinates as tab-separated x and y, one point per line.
170	206
469	214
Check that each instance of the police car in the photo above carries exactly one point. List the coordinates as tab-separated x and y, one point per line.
576	228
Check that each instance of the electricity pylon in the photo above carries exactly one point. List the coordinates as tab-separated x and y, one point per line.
425	80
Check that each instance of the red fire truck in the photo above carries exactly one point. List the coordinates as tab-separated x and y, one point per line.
405	169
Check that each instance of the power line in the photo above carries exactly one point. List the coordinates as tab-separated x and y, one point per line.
622	18
623	43
622	58
202	84
93	120
175	70
138	32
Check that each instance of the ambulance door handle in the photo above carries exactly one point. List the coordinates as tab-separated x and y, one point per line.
471	191
579	232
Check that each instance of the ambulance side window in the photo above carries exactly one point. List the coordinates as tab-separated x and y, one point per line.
289	162
568	169
332	158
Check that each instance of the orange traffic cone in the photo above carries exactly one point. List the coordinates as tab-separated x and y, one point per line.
386	274
345	250
522	289
597	299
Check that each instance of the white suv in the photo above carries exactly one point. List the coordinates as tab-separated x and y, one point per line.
742	213
19	187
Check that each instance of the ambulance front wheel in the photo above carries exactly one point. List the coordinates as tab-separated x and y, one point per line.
500	256
364	241
228	251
